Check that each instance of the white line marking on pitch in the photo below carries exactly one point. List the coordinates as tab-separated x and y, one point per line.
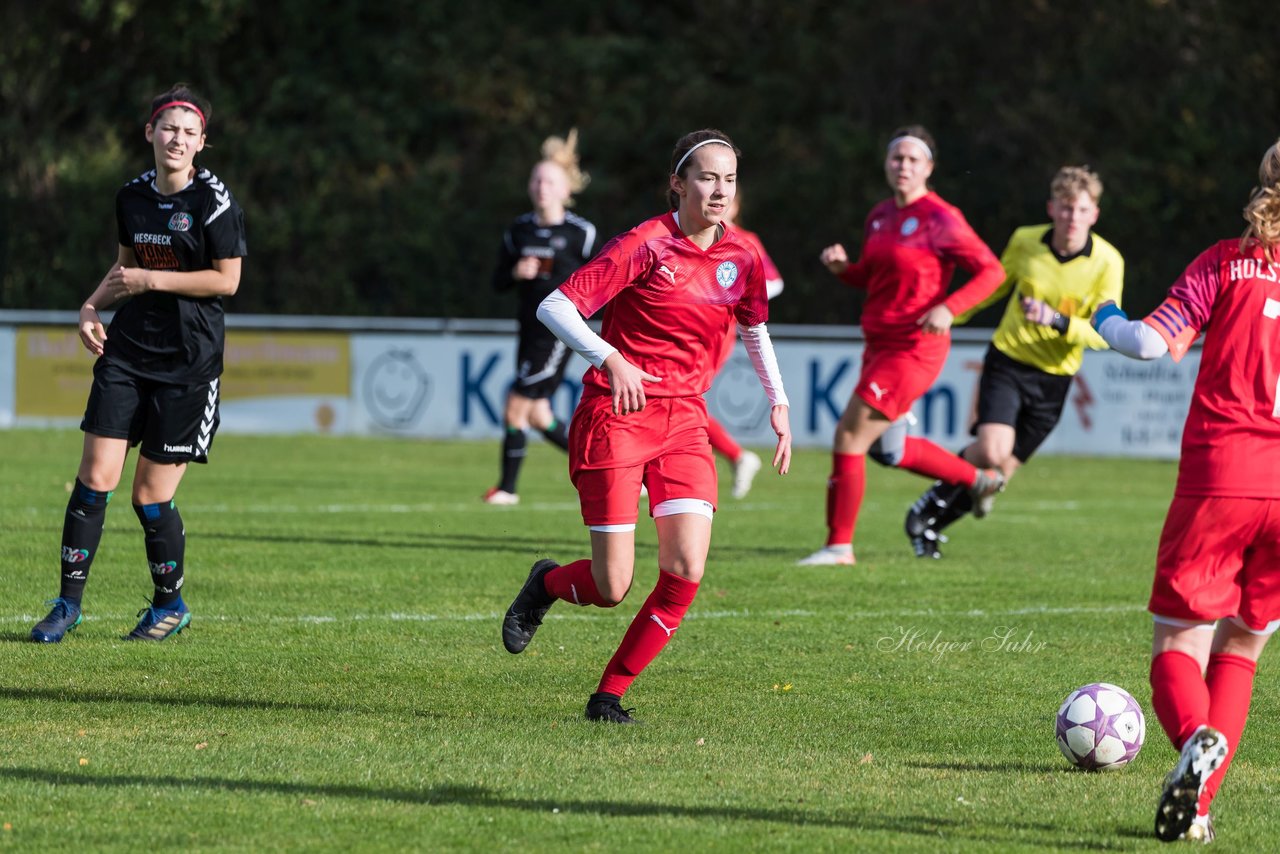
744	613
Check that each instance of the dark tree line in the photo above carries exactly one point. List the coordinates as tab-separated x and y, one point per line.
378	148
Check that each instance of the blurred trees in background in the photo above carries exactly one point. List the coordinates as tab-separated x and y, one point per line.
379	148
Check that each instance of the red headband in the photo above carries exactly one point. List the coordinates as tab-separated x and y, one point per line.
190	106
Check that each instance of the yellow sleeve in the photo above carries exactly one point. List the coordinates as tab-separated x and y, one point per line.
1108	287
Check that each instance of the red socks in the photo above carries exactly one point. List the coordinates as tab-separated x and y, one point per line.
1179	696
1230	681
845	489
649	632
925	458
573	583
721	441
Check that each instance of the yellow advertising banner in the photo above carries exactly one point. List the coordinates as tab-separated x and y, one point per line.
286	364
54	371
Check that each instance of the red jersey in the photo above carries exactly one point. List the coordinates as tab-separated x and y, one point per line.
908	257
770	273
668	303
1231	441
770	269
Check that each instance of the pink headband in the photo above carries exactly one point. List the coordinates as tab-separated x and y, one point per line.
190	106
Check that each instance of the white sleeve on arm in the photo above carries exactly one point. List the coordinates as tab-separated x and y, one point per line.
760	349
1132	338
558	313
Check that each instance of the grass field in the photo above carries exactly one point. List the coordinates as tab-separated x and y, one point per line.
343	685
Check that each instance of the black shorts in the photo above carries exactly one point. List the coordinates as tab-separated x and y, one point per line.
540	362
173	423
1026	398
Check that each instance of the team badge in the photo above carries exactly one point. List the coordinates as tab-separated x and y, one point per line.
559	243
180	222
727	274
909	226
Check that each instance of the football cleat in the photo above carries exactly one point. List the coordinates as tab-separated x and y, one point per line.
928	544
1203	754
608	707
500	497
64	617
1201	830
744	472
156	624
829	556
984	489
527	609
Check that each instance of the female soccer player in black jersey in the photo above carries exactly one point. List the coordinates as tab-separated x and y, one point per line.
155	383
539	251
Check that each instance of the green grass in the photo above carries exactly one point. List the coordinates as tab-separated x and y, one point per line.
343	686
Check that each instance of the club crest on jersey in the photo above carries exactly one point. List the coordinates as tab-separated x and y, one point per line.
909	226
180	222
727	274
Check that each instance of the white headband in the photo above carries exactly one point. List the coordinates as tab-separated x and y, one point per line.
676	171
906	137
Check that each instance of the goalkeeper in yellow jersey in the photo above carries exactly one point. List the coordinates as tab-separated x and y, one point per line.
1058	273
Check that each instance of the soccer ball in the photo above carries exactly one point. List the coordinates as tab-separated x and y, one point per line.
1100	727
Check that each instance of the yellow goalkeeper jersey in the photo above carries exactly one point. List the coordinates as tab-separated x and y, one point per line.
1074	288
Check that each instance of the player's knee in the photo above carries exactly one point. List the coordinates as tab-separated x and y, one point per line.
611	595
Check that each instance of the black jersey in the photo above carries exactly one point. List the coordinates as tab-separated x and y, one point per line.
561	249
167	337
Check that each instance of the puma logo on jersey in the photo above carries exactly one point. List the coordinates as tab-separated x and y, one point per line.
669	272
878	391
663	625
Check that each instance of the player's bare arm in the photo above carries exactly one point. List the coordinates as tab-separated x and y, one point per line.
92	333
221	281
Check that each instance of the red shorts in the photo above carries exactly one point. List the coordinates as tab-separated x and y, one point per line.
1219	557
664	446
893	379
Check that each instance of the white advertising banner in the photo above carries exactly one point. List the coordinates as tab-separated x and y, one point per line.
451	384
456	386
8	363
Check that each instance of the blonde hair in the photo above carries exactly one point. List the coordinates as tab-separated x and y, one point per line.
563	152
1263	211
1071	181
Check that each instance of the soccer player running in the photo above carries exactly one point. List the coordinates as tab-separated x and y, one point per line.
670	287
155	382
746	464
1059	274
1215	600
539	251
913	243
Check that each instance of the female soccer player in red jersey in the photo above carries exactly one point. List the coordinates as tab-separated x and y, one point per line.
913	243
746	464
1216	595
155	382
670	288
539	251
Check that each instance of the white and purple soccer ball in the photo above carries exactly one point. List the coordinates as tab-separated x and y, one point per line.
1100	727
